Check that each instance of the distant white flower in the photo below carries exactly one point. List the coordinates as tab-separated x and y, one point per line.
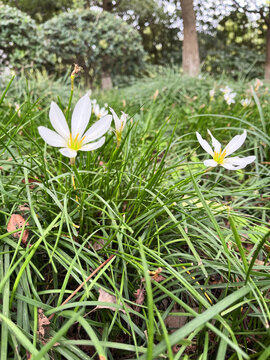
212	94
78	138
220	157
119	124
226	90
229	98
98	111
106	105
258	84
17	108
89	92
245	102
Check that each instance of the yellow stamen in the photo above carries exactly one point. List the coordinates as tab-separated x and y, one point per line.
75	144
219	156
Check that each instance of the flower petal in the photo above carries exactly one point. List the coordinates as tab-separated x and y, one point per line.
210	162
204	144
68	152
51	137
94	145
58	120
98	129
117	121
236	163
81	116
235	143
123	119
215	142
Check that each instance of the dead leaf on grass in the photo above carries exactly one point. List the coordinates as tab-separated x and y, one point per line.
98	244
16	222
44	328
174	322
43	324
139	295
106	297
24	207
31	181
155	275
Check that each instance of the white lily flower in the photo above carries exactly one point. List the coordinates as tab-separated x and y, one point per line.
119	124
78	139
226	90
229	98
258	84
220	157
98	111
212	94
245	102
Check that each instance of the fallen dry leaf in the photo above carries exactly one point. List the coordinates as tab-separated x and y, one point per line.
106	297
98	244
30	181
174	322
155	275
24	207
16	222
139	295
44	328
43	323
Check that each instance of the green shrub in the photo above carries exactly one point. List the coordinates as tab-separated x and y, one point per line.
21	42
99	42
235	61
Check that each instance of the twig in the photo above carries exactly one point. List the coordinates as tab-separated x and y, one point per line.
83	283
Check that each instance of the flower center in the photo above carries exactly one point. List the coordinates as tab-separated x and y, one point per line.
219	156
75	144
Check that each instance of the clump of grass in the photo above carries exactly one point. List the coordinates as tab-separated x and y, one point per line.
152	204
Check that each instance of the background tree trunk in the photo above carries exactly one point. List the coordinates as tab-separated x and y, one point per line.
106	81
190	57
267	63
107	5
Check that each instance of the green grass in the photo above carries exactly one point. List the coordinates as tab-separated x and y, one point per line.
154	205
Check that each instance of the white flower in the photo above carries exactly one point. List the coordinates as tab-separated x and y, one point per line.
119	123
229	98
226	90
258	84
98	111
78	138
245	102
212	94
220	157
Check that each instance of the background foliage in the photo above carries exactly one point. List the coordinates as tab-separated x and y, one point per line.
21	43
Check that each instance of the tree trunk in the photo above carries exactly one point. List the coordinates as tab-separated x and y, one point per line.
190	52
267	63
107	5
106	81
87	4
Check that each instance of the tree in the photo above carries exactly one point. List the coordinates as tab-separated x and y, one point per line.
98	42
41	10
258	12
190	57
263	12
